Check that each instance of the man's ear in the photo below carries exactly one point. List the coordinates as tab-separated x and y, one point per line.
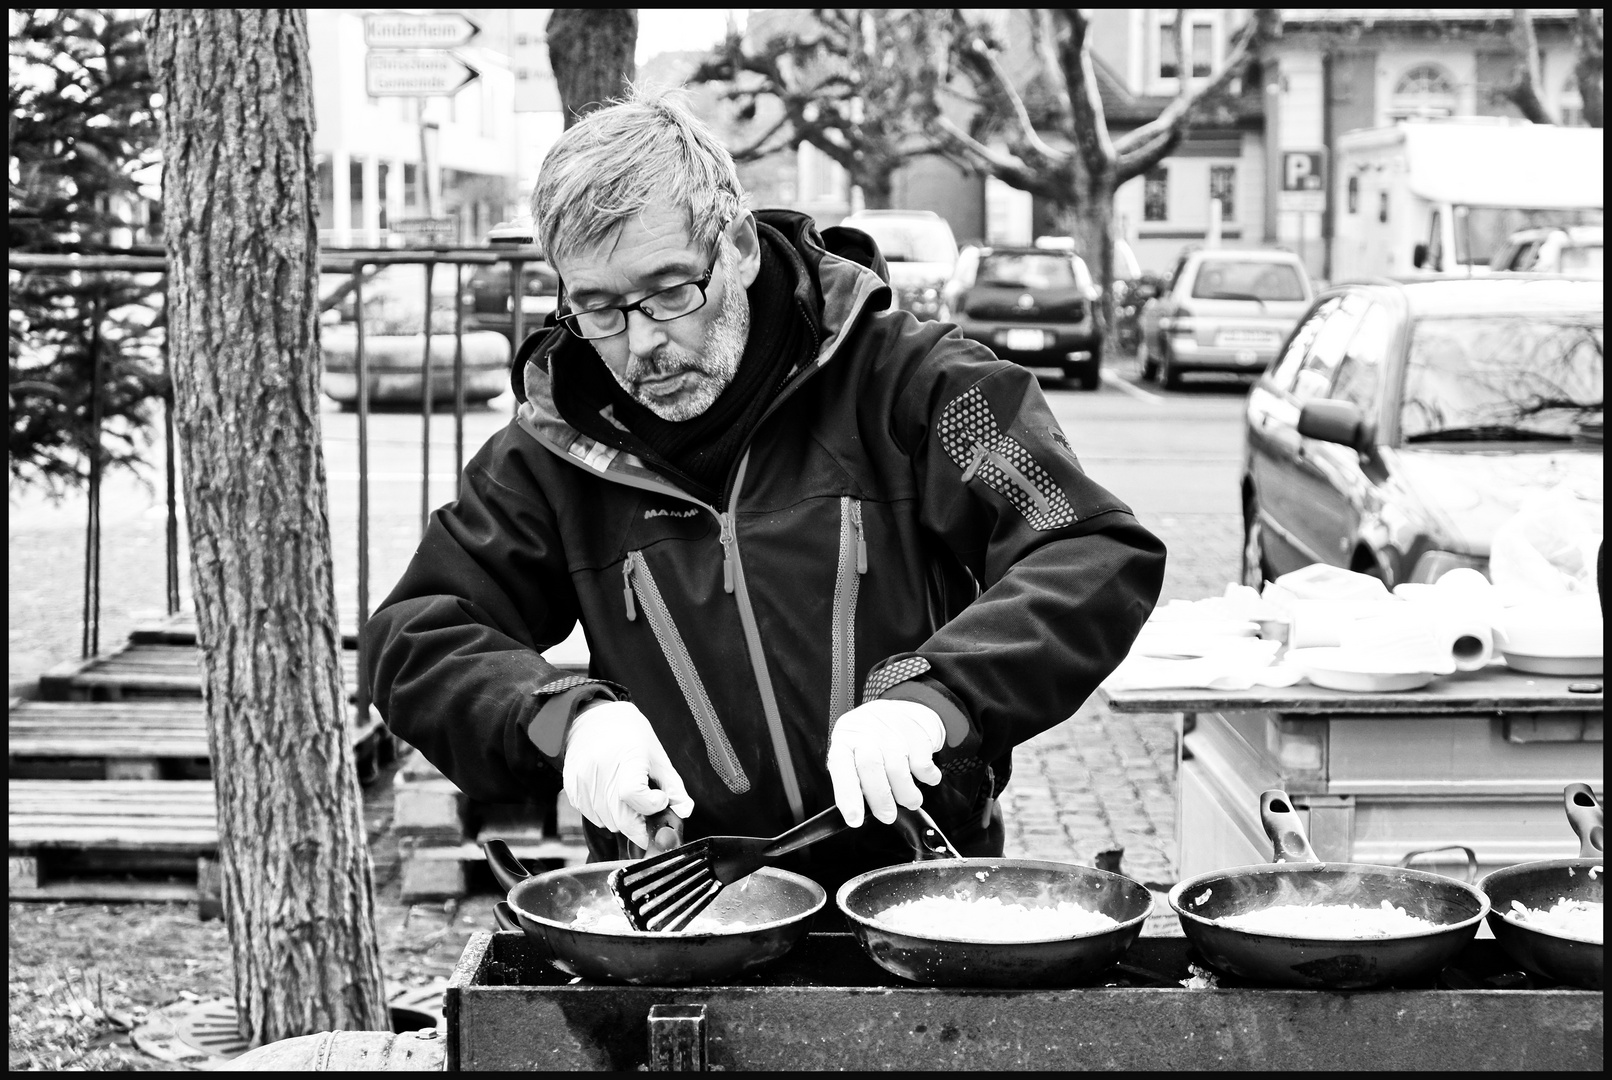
749	245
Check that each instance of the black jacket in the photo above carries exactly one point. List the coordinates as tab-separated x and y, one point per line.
907	520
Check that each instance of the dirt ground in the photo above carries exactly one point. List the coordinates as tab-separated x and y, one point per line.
84	977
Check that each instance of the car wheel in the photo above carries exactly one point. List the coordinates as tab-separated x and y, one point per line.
1150	366
1169	377
1255	568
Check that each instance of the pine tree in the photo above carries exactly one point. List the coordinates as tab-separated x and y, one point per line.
82	126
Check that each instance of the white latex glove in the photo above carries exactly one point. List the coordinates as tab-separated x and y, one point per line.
611	754
875	753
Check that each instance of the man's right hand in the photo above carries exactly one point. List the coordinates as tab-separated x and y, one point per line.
611	755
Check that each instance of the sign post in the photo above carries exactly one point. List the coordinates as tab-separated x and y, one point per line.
1304	188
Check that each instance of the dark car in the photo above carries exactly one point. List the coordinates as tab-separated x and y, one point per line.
488	300
1034	306
1404	422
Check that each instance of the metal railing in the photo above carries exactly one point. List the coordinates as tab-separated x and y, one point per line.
354	262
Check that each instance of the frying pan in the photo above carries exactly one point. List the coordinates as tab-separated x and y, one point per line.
772	911
1539	885
963	961
1298	877
774	906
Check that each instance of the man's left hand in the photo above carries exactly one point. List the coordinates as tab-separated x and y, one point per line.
876	752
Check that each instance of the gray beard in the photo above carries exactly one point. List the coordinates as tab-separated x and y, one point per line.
715	364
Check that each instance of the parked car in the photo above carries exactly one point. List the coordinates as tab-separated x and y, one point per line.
1035	306
1222	310
394	344
1573	249
920	249
488	301
1404	422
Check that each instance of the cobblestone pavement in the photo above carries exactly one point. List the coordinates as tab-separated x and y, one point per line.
1099	782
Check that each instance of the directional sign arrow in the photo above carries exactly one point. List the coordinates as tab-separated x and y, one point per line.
428	30
420	73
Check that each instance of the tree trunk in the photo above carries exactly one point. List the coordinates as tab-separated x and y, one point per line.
591	53
239	200
1589	66
876	191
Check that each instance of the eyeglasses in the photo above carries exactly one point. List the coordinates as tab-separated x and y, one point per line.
663	306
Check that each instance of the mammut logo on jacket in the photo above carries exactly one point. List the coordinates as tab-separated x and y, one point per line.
669	513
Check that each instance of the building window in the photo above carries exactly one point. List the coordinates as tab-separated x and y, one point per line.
1169	55
1156	194
1354	194
1424	90
1223	186
1203	50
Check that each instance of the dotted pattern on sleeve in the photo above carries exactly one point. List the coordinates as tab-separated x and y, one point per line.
884	676
971	437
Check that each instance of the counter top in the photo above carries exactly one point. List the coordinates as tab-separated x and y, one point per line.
1494	689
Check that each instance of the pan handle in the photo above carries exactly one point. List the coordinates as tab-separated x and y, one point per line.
927	841
1471	859
506	868
504	916
1284	827
1584	813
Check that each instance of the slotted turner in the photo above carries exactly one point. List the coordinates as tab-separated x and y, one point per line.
667	891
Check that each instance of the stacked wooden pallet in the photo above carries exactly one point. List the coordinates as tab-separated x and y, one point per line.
440	830
110	780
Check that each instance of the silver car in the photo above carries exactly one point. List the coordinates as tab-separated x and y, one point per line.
1222	311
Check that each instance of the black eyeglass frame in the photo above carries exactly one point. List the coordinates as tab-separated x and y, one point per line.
701	283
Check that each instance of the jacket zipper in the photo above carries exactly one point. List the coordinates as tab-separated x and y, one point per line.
983	453
852	565
718	750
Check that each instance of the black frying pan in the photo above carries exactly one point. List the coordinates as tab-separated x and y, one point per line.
1540	884
1298	877
966	961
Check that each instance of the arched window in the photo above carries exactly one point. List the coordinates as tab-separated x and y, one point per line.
1424	90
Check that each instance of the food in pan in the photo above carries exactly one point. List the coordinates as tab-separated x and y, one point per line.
990	918
604	916
1579	919
1329	921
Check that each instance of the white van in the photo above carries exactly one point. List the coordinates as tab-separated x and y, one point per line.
1439	196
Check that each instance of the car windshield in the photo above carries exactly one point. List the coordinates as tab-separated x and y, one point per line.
1506	377
1028	271
911	241
1227	279
1479	230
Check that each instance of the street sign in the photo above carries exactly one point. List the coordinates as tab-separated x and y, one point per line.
427	30
420	73
1304	181
429	230
535	89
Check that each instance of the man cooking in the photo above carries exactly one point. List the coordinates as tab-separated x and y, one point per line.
821	552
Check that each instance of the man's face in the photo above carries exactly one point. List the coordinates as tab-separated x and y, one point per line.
676	369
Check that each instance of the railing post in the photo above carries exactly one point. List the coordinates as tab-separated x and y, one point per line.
458	371
360	363
425	408
90	644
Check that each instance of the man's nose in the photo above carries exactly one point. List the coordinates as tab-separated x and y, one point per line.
644	334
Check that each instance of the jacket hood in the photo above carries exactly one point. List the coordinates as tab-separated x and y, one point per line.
850	277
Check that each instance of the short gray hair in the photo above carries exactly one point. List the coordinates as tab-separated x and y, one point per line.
644	147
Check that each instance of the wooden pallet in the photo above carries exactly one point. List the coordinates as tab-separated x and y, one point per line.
440	831
155	739
114	840
136	671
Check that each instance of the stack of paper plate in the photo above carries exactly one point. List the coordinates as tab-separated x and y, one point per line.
1353	669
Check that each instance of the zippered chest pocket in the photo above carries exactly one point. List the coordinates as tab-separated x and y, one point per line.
972	438
641	593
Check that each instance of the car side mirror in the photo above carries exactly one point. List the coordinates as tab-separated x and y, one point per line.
1419	256
1333	421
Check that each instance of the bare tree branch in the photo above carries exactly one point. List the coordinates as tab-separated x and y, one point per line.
1023	138
1179	111
1523	91
1004	165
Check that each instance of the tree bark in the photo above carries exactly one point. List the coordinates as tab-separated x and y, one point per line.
239	200
591	53
1524	89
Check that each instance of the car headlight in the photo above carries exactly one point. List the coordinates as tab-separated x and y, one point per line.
1435	564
